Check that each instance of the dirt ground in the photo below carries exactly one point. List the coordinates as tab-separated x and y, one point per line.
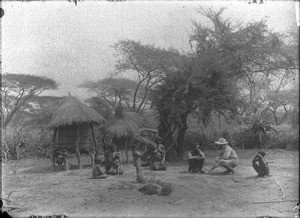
36	189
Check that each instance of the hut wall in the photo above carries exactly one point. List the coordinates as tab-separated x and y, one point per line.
67	137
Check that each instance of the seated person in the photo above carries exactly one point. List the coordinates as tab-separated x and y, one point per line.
157	158
155	153
196	159
97	173
227	158
113	164
260	164
61	158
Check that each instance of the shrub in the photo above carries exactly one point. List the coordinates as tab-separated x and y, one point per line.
204	141
284	138
288	140
243	139
27	142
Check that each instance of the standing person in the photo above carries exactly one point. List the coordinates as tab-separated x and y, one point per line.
227	158
260	164
196	159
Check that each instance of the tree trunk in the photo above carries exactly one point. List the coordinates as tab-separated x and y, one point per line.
166	134
180	136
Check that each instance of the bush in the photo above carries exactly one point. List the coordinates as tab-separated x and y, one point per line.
27	142
288	140
204	141
284	138
243	139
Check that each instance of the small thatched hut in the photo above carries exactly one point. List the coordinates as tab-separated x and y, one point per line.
73	128
124	125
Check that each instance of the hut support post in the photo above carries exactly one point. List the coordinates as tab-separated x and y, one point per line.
77	147
92	158
126	149
95	153
54	137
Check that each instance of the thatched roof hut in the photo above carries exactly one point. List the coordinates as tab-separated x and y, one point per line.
73	111
125	124
73	126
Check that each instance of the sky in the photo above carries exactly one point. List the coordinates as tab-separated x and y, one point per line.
72	44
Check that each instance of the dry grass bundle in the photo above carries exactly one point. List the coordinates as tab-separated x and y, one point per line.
157	187
151	189
124	123
167	188
146	142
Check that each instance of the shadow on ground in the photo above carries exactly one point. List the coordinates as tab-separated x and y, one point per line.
49	169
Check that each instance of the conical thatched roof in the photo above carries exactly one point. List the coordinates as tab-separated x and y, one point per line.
124	123
73	111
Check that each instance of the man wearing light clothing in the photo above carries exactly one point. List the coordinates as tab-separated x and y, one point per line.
227	158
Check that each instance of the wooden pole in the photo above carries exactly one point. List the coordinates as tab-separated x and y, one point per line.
126	150
54	141
271	202
220	125
94	140
95	153
77	146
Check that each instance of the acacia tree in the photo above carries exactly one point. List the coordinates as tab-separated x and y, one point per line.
37	111
148	64
101	106
113	91
17	89
223	56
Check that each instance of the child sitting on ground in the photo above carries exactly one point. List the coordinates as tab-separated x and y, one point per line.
260	164
97	173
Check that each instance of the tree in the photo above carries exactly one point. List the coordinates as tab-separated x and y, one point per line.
37	111
279	105
148	64
101	106
113	91
17	89
224	57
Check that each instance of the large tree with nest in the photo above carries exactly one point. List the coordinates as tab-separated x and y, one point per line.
224	56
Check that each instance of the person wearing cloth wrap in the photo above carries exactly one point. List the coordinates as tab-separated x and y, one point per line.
97	173
155	152
260	164
196	159
113	165
227	158
157	157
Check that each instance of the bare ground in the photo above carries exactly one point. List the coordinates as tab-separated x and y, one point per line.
33	187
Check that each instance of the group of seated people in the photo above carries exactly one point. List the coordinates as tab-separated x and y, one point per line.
155	156
112	163
227	159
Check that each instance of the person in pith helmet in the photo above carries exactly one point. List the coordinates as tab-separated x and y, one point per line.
227	158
